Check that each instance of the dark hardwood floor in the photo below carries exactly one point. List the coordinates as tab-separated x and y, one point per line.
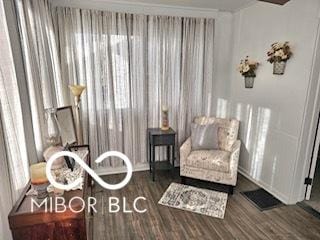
242	220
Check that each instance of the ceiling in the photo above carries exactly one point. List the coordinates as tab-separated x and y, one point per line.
224	5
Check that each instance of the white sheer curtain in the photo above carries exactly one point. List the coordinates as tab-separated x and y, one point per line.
6	198
14	165
41	64
133	64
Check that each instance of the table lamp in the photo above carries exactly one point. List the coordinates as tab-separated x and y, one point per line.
39	179
53	138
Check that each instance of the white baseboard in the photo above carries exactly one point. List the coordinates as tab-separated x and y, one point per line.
136	168
110	171
265	186
145	167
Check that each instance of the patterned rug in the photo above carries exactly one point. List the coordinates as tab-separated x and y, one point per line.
202	201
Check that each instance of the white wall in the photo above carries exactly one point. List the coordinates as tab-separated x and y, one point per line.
272	113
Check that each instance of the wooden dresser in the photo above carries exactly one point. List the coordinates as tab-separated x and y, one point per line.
41	225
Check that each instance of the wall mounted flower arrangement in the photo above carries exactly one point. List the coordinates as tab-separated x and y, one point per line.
279	54
247	69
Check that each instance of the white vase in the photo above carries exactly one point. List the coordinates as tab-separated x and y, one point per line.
52	126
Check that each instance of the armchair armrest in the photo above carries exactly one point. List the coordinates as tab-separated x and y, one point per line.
185	150
235	147
234	159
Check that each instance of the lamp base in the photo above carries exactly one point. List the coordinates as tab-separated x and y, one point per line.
58	163
41	190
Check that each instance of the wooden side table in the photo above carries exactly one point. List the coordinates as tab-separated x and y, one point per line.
158	137
41	225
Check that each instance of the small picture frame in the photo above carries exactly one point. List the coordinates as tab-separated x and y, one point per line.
69	161
67	126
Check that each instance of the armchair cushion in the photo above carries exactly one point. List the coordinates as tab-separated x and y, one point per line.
210	159
204	137
227	133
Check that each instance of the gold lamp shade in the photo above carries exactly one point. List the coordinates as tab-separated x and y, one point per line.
77	90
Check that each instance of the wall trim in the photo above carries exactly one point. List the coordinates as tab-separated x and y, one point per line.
111	171
249	4
139	8
145	167
308	128
265	186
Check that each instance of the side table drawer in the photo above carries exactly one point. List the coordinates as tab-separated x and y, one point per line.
163	139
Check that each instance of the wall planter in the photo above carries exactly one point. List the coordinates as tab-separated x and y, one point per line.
247	69
248	82
279	54
279	67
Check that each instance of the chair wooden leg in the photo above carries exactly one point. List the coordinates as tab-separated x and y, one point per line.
231	190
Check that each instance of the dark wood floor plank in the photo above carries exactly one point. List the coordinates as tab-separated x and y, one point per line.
242	220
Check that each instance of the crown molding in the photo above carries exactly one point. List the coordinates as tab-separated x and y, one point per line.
253	2
139	8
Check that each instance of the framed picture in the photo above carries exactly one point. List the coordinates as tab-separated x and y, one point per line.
67	126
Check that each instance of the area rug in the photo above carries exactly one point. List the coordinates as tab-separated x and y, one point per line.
198	200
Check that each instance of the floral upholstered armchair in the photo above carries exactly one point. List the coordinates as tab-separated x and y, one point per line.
219	166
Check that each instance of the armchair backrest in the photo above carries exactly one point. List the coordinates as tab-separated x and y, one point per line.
227	133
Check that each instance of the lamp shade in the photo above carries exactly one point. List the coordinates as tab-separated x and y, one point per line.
77	90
